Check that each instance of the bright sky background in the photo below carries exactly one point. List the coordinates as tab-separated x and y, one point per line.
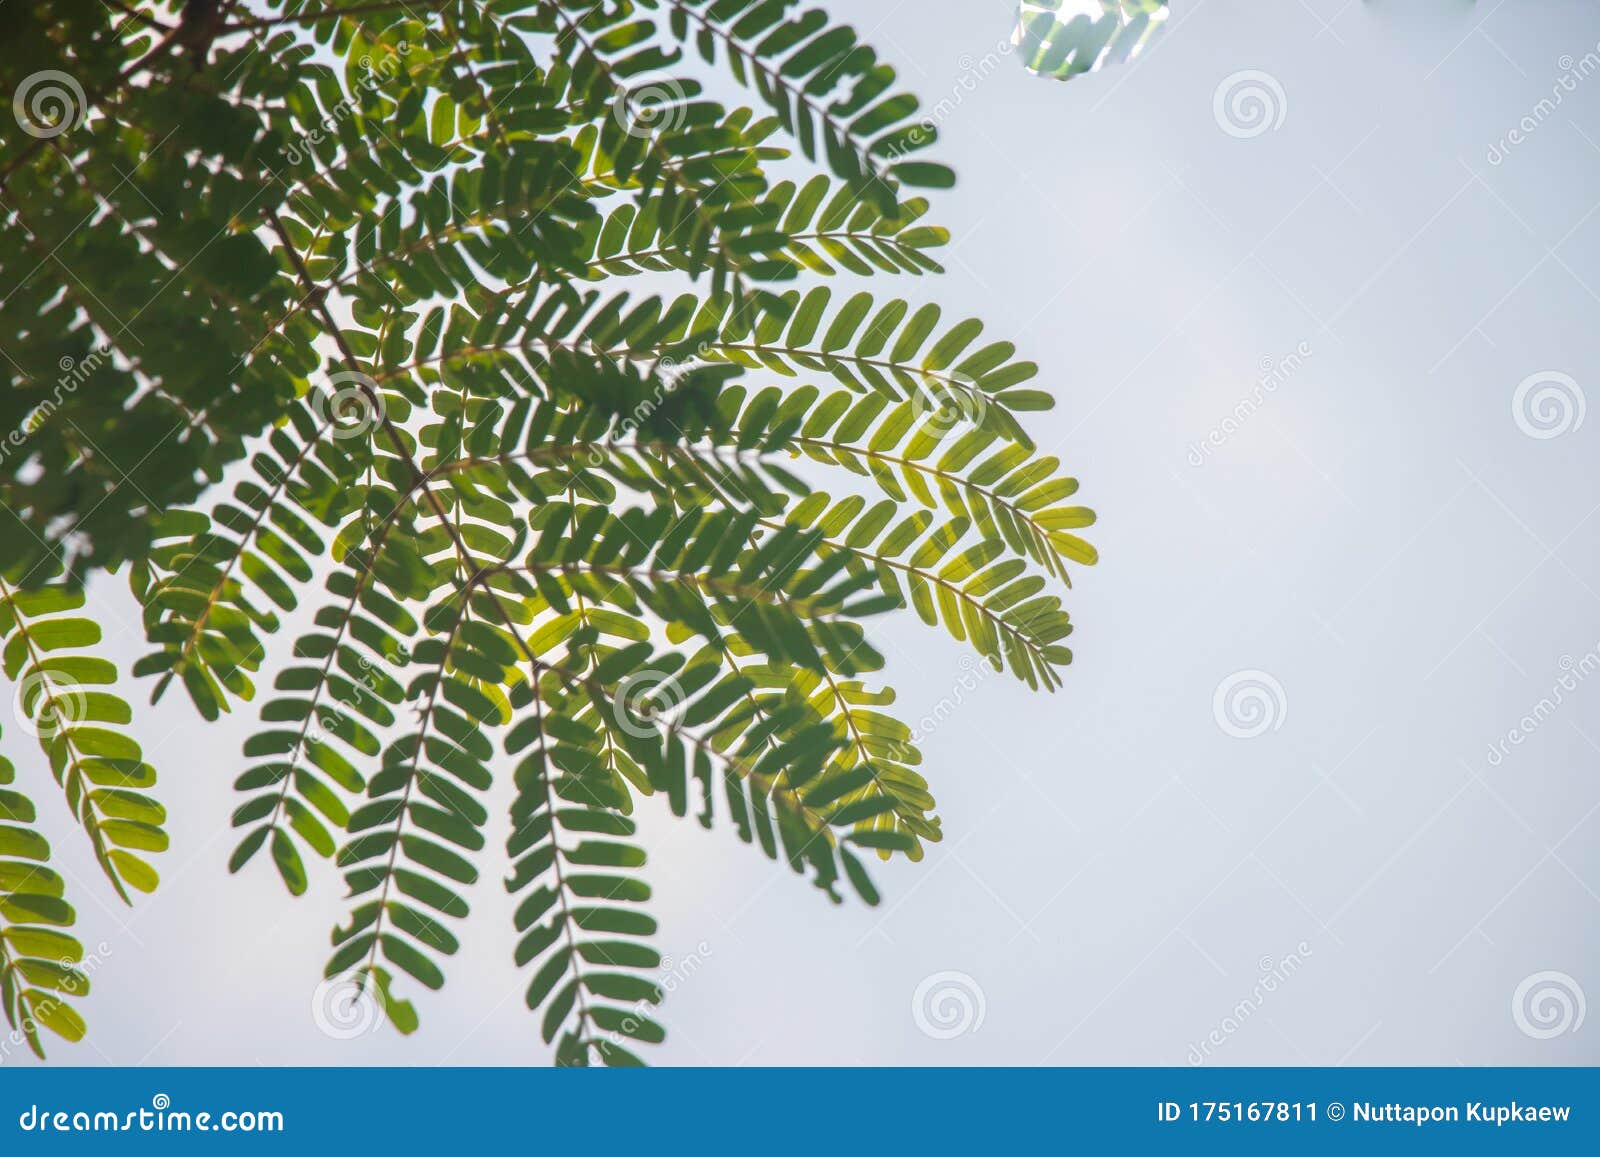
1378	535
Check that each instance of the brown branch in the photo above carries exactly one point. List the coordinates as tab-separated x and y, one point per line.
142	17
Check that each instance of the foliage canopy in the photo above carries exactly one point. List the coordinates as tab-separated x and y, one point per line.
474	346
